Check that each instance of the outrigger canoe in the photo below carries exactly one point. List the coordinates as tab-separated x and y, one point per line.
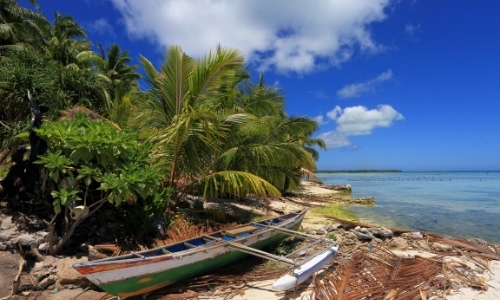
143	272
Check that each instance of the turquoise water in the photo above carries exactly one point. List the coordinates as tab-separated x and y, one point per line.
458	204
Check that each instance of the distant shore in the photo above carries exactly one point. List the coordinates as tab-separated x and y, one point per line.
360	171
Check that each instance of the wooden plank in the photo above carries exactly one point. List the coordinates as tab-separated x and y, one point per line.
189	245
236	231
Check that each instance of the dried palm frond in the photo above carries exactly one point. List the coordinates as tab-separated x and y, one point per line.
486	250
184	229
378	274
464	275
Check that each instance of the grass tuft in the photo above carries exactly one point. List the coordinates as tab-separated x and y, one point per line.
336	211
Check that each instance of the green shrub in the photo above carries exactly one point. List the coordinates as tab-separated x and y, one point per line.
90	163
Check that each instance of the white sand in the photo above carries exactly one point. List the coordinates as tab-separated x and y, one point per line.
493	282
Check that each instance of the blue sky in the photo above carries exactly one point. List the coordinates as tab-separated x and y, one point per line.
411	85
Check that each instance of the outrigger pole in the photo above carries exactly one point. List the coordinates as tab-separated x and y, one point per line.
291	232
328	242
255	252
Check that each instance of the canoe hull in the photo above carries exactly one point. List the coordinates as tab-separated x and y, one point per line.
133	277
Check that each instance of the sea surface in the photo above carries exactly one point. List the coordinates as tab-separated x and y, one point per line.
457	204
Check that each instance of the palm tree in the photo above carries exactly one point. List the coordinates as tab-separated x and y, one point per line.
66	40
214	128
121	78
113	65
189	131
19	25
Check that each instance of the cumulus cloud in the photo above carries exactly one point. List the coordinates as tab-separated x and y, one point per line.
357	89
288	35
358	120
101	26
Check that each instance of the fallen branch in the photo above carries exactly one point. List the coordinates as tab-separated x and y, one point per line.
34	252
16	282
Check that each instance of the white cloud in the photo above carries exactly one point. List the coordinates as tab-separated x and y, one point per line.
357	89
358	120
101	26
320	119
291	36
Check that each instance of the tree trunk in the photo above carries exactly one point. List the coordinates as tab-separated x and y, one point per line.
286	185
23	174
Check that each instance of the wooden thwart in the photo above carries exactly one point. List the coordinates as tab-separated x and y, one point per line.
236	231
189	245
137	254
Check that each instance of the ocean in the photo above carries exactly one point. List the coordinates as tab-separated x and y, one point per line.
457	204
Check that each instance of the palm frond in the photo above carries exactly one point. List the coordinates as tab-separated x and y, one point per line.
216	69
236	183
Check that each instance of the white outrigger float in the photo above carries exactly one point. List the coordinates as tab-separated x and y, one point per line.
145	271
306	270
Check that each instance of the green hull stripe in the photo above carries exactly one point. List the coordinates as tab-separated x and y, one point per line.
129	286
